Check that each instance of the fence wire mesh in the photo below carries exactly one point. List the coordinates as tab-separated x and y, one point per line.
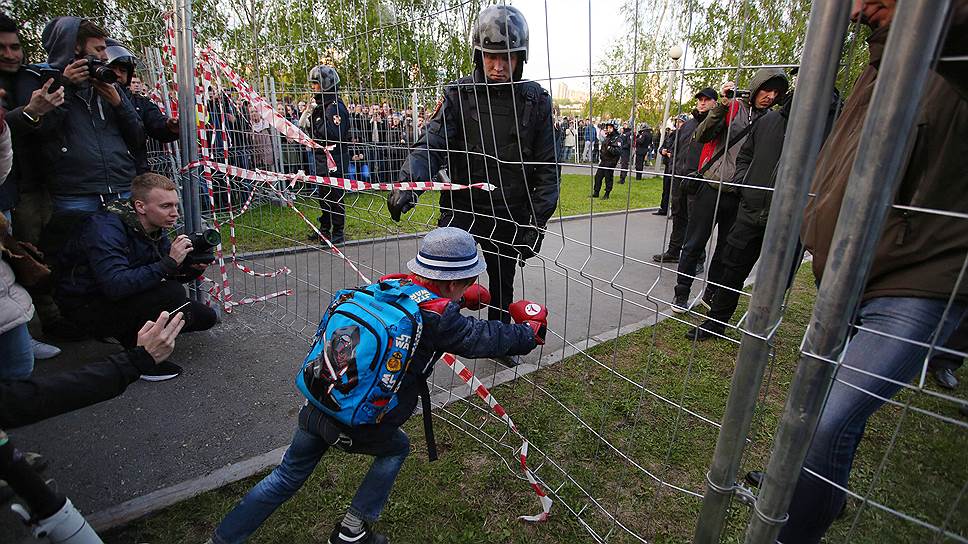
624	404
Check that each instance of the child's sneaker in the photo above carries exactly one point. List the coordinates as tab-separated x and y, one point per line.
342	535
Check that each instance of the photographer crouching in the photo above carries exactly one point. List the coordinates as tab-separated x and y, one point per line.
120	269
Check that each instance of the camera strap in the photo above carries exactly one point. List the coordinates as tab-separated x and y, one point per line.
732	141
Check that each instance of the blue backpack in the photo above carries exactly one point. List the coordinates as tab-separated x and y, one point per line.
362	349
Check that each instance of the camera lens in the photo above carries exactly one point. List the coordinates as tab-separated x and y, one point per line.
212	237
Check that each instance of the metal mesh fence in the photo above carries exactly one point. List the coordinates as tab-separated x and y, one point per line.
663	379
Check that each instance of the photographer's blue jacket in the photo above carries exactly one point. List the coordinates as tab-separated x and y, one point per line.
85	144
112	256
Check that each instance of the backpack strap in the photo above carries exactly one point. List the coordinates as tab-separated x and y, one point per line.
428	420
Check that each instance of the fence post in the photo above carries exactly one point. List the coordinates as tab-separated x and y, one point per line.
804	135
874	177
277	138
185	51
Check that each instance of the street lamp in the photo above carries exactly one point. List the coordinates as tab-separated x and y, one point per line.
675	53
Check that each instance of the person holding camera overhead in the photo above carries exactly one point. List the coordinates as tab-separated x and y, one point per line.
121	270
84	144
715	201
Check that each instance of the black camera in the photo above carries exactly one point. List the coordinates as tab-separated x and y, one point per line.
738	93
203	246
99	70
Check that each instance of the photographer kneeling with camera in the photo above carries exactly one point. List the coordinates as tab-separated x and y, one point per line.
120	269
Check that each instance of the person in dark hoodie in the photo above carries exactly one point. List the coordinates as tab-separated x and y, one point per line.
331	126
157	125
715	202
85	143
120	270
495	127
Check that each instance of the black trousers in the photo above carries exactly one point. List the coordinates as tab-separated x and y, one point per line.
332	216
666	187
122	319
624	165
703	216
737	257
639	164
604	172
679	210
496	237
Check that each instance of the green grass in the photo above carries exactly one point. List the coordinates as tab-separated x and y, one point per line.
470	495
269	226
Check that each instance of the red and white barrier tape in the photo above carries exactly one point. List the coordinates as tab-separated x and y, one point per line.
342	183
485	394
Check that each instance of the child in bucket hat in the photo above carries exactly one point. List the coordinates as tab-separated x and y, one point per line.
447	265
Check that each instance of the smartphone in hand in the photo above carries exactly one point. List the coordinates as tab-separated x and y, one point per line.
51	73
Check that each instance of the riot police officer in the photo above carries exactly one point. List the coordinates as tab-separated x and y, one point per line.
493	127
330	126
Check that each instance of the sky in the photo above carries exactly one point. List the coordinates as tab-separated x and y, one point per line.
567	37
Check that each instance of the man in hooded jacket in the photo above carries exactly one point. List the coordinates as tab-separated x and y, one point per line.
714	203
84	144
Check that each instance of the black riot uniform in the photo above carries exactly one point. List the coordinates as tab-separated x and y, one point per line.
611	152
502	134
331	124
498	133
623	164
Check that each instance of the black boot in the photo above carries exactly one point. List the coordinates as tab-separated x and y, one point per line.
338	238
605	196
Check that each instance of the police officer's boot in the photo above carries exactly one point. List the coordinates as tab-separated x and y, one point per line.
605	196
338	238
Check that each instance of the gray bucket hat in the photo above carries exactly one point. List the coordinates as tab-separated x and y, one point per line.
447	253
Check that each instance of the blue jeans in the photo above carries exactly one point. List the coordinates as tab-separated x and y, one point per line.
85	203
566	153
16	354
816	504
314	436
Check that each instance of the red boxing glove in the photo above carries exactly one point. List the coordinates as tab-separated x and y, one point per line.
475	297
532	314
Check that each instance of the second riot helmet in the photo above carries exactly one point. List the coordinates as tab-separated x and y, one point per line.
119	55
501	29
325	76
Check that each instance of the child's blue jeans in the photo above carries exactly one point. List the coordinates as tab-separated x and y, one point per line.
389	446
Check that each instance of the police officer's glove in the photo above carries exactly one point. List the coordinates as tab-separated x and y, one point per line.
400	202
533	315
529	241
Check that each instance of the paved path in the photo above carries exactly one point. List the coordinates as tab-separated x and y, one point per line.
236	398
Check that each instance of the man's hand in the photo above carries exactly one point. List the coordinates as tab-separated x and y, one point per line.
43	102
172	125
180	248
728	86
77	72
400	202
158	337
532	314
109	92
529	241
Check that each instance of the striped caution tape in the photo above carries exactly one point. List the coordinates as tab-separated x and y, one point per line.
342	183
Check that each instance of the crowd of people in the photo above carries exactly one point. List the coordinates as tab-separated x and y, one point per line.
87	236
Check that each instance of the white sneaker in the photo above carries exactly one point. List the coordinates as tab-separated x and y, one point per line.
43	351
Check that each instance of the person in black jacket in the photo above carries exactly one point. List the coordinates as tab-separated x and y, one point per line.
27	401
331	125
157	125
627	137
610	154
85	144
643	140
495	127
120	269
684	153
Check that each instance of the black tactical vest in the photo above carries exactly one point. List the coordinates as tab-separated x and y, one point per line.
496	136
